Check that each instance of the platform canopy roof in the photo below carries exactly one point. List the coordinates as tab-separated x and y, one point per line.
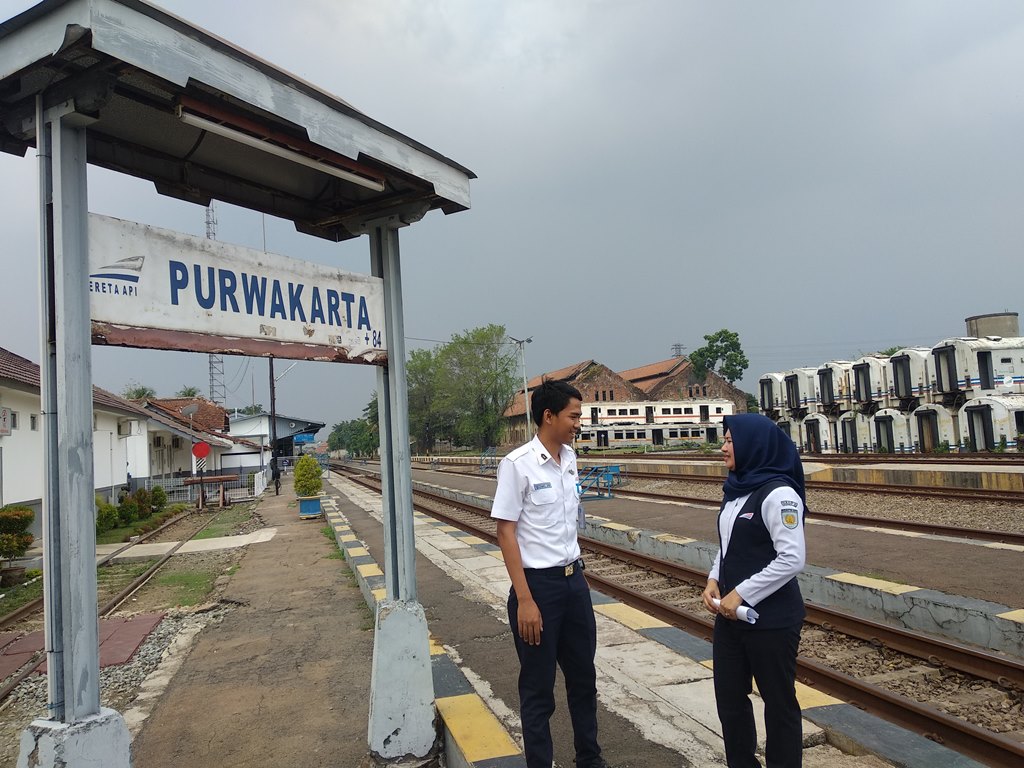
202	119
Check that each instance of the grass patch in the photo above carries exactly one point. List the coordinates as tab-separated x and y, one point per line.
12	598
137	528
226	521
187	588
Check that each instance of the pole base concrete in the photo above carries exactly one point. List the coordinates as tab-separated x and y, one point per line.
403	719
101	739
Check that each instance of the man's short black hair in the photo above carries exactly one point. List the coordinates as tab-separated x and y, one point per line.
551	396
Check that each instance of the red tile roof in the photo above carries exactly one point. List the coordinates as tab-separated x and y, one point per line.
210	416
646	377
17	369
568	373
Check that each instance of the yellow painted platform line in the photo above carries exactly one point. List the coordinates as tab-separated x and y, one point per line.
496	554
379	593
671	538
471	540
347	537
1017	615
866	581
475	728
448	528
619	526
370	569
809	698
436	649
629	616
357	551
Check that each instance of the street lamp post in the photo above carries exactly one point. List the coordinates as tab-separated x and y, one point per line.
521	343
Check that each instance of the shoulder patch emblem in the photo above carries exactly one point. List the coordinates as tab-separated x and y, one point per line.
790	518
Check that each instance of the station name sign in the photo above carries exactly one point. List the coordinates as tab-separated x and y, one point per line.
159	289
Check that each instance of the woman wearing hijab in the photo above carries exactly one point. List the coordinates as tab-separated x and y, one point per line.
761	538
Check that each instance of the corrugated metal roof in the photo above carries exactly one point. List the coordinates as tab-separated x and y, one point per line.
194	114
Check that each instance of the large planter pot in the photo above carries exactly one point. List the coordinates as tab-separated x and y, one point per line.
309	507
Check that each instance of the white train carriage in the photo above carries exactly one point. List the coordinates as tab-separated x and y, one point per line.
932	426
623	436
871	383
890	429
773	394
818	434
968	367
835	388
854	432
801	392
993	423
912	379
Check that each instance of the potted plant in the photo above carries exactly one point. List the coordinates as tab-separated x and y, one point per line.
14	540
308	486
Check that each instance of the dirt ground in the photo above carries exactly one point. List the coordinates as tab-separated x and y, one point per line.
284	677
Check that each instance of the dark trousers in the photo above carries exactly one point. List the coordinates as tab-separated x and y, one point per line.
767	656
569	639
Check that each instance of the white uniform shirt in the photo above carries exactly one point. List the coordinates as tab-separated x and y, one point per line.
542	498
787	534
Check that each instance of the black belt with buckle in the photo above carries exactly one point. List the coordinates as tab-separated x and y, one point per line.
561	570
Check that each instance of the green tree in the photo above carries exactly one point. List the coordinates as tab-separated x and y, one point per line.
752	405
430	417
722	354
475	383
252	410
888	352
360	437
136	391
188	392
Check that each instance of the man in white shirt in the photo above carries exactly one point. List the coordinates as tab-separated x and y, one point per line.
537	508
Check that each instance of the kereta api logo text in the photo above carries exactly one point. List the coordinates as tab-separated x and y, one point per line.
120	278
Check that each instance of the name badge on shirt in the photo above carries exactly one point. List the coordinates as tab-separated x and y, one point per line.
581	518
541	486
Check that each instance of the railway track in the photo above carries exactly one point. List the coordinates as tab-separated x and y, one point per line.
108	602
1009	459
933	529
901	676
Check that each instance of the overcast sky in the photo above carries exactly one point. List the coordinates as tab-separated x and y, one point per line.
825	179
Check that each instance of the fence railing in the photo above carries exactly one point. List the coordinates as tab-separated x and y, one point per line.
248	485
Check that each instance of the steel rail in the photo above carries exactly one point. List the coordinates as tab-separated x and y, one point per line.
933	529
21	612
834	458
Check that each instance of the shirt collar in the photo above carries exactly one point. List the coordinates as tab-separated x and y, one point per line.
541	453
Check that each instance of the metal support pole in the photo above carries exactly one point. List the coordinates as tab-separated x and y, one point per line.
402	713
393	415
69	534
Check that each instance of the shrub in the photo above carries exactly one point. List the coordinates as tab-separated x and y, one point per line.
158	497
14	537
106	516
144	501
307	477
127	512
1001	448
1020	442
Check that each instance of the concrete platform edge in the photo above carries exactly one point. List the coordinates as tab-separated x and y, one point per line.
473	735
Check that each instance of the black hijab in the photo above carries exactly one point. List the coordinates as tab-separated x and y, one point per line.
763	453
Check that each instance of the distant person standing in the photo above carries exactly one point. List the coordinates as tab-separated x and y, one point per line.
537	508
761	535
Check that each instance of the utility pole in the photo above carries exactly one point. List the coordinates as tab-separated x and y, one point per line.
273	433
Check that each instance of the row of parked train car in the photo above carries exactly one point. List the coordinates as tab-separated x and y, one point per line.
963	394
